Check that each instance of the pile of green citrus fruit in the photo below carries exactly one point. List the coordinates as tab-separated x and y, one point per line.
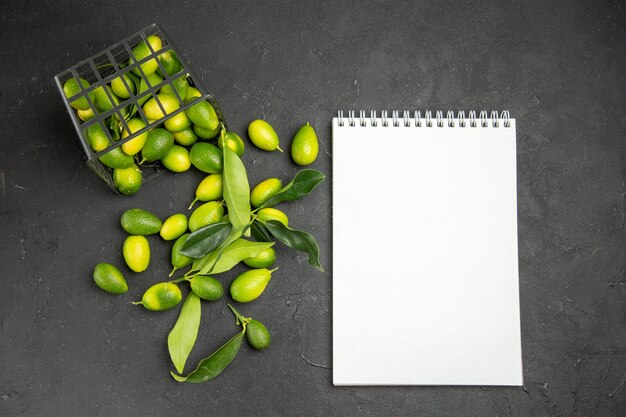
233	223
166	134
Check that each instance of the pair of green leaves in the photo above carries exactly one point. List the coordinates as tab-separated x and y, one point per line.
206	243
183	336
295	239
301	185
221	261
202	242
209	367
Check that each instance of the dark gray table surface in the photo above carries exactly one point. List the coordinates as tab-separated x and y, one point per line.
68	349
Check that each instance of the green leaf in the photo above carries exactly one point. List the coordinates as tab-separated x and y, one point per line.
296	239
302	184
236	188
237	251
210	367
206	263
115	135
240	249
114	127
137	82
184	333
205	239
259	232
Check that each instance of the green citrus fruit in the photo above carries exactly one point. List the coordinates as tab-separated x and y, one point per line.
178	123
204	133
257	334
140	222
178	259
174	227
170	62
233	142
305	146
263	135
161	296
180	84
127	180
206	287
141	51
186	137
134	145
209	189
206	157
85	115
250	285
136	251
264	190
270	213
121	90
153	111
203	115
110	279
264	259
71	88
102	101
157	145
192	92
206	214
116	158
97	138
177	159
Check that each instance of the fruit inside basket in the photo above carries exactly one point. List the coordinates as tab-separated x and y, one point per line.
137	108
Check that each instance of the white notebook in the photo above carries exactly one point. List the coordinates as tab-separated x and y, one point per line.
425	267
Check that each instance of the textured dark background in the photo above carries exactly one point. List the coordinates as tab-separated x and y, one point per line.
68	349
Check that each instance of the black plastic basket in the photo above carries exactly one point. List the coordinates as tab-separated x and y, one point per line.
100	69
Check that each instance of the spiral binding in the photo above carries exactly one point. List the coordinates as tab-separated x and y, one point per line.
493	119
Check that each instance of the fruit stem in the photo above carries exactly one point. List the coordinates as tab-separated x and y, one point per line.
273	270
172	273
187	274
142	161
278	147
135	303
222	138
183	278
192	203
240	319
